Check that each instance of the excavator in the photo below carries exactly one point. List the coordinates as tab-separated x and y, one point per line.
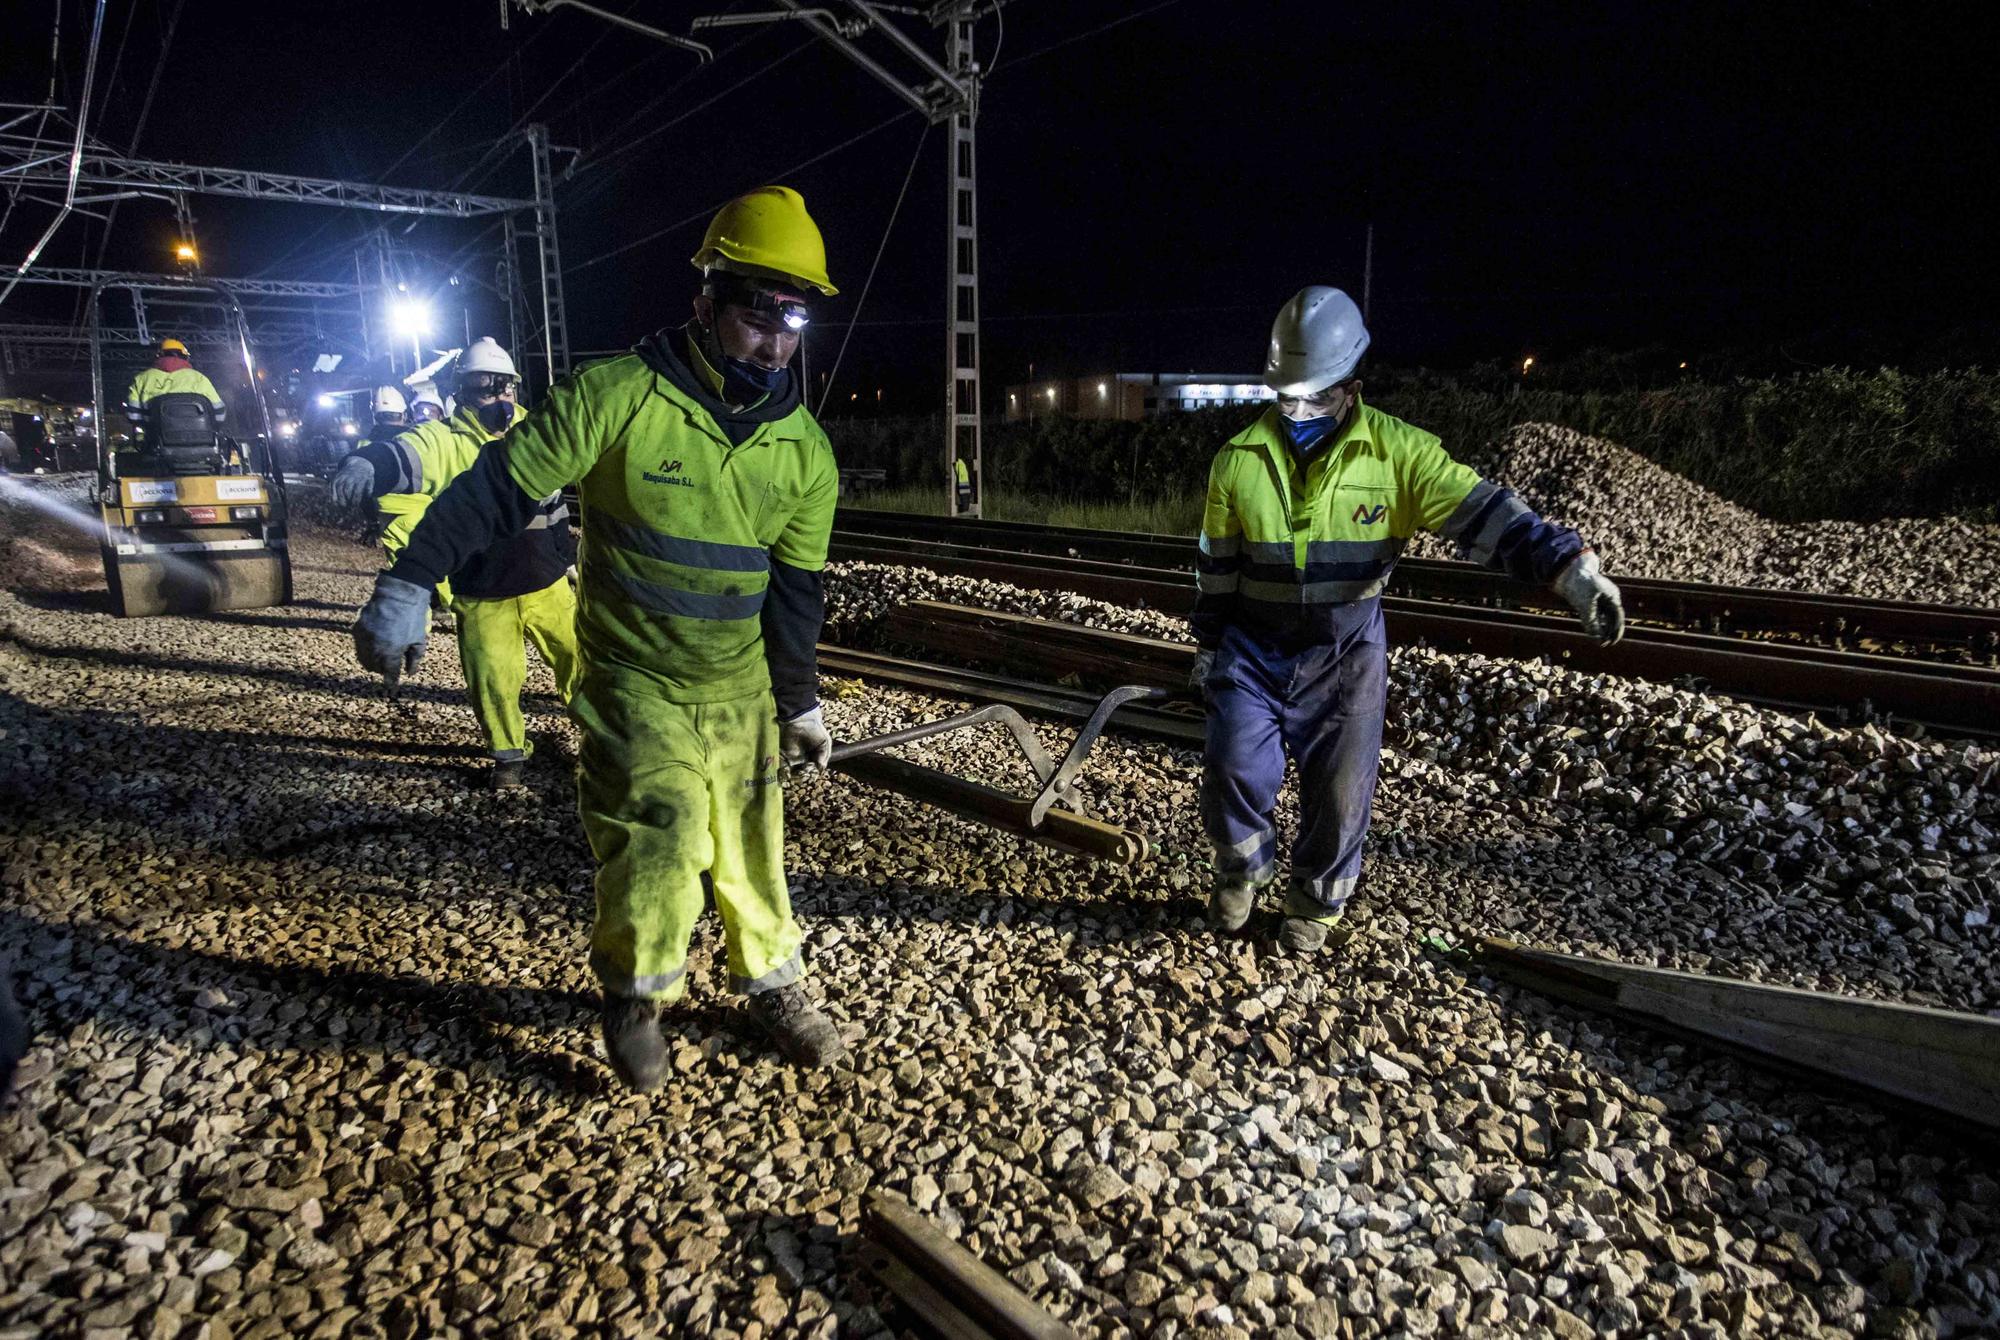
194	520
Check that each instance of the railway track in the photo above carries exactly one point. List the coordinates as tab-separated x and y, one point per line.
1953	632
1941	695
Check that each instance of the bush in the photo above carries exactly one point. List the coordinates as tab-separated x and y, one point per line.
1831	443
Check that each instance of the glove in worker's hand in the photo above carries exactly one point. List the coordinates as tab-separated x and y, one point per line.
803	741
389	636
353	484
1204	661
1593	596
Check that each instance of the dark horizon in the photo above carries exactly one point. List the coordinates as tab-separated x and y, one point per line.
1539	181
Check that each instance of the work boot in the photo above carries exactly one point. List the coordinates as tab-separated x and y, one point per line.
632	1040
510	774
1301	935
797	1026
1230	906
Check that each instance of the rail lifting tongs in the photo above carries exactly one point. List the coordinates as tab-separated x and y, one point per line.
1050	816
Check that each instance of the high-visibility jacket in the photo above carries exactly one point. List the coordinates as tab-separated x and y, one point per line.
689	521
418	464
157	381
1301	550
962	472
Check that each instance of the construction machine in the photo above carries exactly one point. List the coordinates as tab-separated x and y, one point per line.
194	520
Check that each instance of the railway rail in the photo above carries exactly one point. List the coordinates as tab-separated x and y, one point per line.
1933	694
1841	621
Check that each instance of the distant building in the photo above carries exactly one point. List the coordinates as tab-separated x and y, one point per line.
1133	395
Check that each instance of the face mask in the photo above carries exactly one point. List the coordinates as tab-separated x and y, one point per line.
1305	434
743	380
496	416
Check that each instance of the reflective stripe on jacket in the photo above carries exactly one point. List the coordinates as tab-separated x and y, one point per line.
426	459
155	382
1291	549
680	526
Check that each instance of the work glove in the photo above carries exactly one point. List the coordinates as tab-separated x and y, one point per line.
1204	661
389	636
354	485
803	741
1592	595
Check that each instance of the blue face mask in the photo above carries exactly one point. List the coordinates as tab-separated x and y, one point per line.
744	381
1305	434
496	416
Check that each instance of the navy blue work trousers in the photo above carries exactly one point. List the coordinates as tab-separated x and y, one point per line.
1323	705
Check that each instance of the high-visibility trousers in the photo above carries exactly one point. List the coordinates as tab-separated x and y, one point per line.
490	636
401	513
1323	705
669	793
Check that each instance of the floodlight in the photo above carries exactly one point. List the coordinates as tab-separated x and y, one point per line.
410	318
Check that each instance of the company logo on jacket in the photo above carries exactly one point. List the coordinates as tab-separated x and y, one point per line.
670	473
1364	515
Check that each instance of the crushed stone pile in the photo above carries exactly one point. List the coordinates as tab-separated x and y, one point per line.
1650	522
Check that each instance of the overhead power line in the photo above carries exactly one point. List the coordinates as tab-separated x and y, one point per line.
709	210
869	282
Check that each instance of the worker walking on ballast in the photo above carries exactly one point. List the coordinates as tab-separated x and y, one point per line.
708	493
515	589
1308	509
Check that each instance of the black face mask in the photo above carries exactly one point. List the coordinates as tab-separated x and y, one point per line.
496	416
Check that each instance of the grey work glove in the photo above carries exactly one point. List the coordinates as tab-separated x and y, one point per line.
803	741
1598	606
390	634
354	485
1204	661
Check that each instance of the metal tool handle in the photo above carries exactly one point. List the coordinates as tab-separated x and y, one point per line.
1060	783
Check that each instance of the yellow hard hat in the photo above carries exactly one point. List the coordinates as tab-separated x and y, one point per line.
767	232
173	347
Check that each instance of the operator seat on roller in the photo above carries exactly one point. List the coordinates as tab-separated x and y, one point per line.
181	434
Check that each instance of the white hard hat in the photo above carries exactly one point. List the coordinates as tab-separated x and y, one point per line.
388	400
486	355
1317	340
427	394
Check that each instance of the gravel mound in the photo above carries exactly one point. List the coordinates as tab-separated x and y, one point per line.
315	1042
1650	522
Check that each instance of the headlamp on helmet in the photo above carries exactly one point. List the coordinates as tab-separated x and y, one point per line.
726	288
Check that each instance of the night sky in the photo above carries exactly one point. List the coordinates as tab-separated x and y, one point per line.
1541	177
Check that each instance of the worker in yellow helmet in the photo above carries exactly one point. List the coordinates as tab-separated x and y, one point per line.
170	373
708	493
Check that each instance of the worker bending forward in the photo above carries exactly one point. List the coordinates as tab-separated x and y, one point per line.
1307	511
518	586
708	494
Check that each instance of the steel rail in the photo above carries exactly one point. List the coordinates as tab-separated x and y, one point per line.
955	1293
1684	604
1950	699
1045	700
1946	1061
